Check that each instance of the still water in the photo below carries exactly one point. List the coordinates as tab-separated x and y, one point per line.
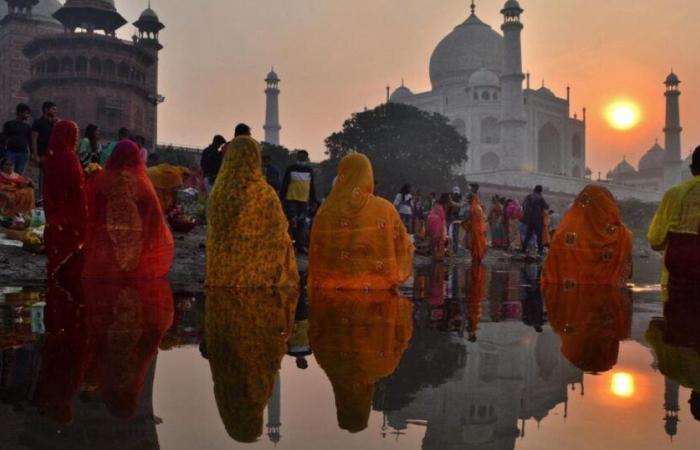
462	360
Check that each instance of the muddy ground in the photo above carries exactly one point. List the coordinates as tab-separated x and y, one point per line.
20	268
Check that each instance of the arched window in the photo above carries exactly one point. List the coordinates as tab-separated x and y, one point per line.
95	66
490	131
110	69
53	66
123	70
576	172
549	149
476	95
495	96
576	146
67	64
490	161
81	64
485	96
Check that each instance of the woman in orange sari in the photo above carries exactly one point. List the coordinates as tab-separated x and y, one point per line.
65	202
126	236
18	189
592	246
248	244
168	179
477	230
358	240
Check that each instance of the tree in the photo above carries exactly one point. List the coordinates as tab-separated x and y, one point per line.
281	156
405	145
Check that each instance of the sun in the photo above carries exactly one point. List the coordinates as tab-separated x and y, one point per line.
623	115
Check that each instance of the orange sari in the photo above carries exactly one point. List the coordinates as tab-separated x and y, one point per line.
592	246
591	321
19	193
477	230
358	240
168	179
126	236
358	338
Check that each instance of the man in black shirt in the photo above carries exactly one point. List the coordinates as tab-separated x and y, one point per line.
211	161
18	133
534	208
41	133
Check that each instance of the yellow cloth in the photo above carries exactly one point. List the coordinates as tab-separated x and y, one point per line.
246	339
167	179
358	240
358	338
247	240
681	364
679	212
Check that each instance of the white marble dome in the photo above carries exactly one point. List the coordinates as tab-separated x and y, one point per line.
484	78
653	159
401	93
469	47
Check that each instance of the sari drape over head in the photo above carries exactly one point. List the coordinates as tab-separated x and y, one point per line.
437	230
477	230
246	338
127	236
592	246
248	243
168	179
65	201
358	338
358	240
591	321
19	193
497	225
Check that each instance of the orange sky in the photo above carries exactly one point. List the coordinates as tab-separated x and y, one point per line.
336	57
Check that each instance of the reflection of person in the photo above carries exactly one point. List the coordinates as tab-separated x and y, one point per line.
358	338
247	240
358	240
533	305
126	235
477	294
246	338
592	245
676	229
591	321
298	346
65	201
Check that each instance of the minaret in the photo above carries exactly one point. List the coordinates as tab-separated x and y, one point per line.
512	98
671	405
272	114
274	412
673	162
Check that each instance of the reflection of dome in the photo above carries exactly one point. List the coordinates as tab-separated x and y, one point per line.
623	168
484	78
401	93
652	159
471	46
43	11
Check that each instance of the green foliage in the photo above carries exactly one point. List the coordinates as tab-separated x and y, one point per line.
405	145
280	155
637	215
178	157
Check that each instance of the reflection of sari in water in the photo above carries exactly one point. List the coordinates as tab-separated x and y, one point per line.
358	240
248	244
246	338
127	236
592	245
477	294
499	238
167	180
477	230
591	321
65	201
358	338
19	192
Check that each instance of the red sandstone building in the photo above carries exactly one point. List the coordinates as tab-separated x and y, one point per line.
70	55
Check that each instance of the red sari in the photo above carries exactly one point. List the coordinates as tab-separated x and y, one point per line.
65	202
127	237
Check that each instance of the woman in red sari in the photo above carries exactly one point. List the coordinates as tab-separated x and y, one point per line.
127	236
65	202
437	228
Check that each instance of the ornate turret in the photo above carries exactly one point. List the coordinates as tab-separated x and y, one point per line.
149	27
90	15
21	7
673	163
272	111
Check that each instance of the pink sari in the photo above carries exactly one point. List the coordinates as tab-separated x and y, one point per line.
437	230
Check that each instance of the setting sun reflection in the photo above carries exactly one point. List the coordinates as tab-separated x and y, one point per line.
622	385
623	115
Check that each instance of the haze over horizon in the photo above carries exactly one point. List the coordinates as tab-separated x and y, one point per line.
334	59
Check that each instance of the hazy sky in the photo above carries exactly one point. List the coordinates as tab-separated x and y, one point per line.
335	57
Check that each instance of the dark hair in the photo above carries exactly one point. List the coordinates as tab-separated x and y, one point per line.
444	199
219	140
538	189
3	139
123	133
22	108
140	140
266	158
695	405
696	159
302	155
47	105
241	130
4	160
90	131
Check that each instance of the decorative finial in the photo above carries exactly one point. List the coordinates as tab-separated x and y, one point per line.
402	82
473	8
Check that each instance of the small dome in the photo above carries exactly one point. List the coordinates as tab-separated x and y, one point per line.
149	14
484	78
652	159
545	91
672	80
272	76
512	4
400	94
624	168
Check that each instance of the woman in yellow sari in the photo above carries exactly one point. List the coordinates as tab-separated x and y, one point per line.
247	240
358	240
168	179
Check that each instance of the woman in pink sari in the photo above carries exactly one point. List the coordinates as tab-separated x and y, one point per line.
513	214
437	227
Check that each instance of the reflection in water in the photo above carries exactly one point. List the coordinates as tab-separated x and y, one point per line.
622	385
591	321
246	338
358	338
675	339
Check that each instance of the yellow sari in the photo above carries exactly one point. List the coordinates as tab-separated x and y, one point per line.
167	179
358	338
358	240
247	240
